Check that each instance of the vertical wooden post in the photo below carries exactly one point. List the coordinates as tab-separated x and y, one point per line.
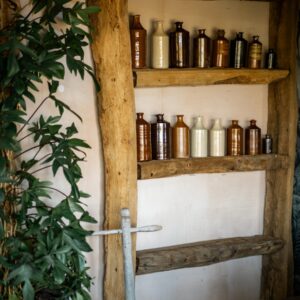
277	272
111	53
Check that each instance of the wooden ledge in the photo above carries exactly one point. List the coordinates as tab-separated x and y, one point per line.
204	253
195	76
174	167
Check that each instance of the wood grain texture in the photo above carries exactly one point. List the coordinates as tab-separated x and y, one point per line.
111	54
195	77
204	253
277	274
175	167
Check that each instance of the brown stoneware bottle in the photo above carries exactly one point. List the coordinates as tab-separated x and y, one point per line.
221	50
180	139
138	36
252	139
179	47
235	139
143	138
201	50
161	138
255	53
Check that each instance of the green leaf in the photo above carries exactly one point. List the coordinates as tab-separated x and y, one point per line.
87	218
91	10
2	195
28	291
12	65
13	297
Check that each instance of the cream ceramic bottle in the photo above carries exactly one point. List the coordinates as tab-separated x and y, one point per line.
198	138
217	139
159	47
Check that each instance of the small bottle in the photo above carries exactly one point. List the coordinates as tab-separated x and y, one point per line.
238	51
198	139
143	138
161	138
267	144
235	137
217	139
138	36
179	47
159	47
252	139
255	53
201	53
221	50
180	139
271	59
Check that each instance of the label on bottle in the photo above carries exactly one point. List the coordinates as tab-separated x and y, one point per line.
255	51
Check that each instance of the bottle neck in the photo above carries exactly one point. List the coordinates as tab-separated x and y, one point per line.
202	31
160	118
253	123
221	33
239	35
179	118
159	26
178	25
140	116
255	38
235	122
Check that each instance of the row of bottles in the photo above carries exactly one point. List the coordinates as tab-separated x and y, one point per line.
173	50
154	140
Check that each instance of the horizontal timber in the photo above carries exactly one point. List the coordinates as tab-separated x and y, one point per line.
174	167
204	253
196	76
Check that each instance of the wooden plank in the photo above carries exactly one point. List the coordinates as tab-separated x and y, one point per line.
174	167
204	253
194	77
111	53
277	275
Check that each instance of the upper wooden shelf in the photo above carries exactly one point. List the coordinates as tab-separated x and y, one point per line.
196	76
174	167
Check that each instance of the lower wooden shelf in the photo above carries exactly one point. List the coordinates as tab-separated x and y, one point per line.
204	253
174	167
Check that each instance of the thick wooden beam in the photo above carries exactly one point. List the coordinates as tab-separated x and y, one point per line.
204	253
277	275
175	167
111	53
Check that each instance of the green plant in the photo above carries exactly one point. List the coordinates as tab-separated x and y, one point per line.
41	243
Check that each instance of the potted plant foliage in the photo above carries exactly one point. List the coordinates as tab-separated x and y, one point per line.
42	238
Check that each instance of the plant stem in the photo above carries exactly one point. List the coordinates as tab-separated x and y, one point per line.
41	169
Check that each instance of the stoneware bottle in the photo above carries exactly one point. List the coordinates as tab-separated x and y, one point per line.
252	139
238	51
235	137
159	47
255	53
217	139
179	47
201	50
267	146
221	50
138	36
143	138
180	139
198	138
270	62
161	138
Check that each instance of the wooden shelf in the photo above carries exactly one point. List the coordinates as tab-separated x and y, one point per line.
174	167
204	253
195	77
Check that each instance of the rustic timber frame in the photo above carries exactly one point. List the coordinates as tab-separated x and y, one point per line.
111	52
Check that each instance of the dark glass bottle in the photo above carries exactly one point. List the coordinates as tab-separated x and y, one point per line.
181	139
179	47
252	139
238	51
161	138
201	50
271	59
138	36
143	138
235	137
267	144
221	50
255	53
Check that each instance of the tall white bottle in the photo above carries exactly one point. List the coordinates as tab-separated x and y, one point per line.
217	139
159	47
198	138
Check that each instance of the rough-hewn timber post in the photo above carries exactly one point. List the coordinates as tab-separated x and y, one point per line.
111	53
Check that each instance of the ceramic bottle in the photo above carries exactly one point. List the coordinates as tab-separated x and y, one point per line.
270	62
138	36
221	50
161	138
180	139
201	50
252	139
179	47
267	147
217	139
235	137
143	138
199	138
159	47
255	53
238	51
